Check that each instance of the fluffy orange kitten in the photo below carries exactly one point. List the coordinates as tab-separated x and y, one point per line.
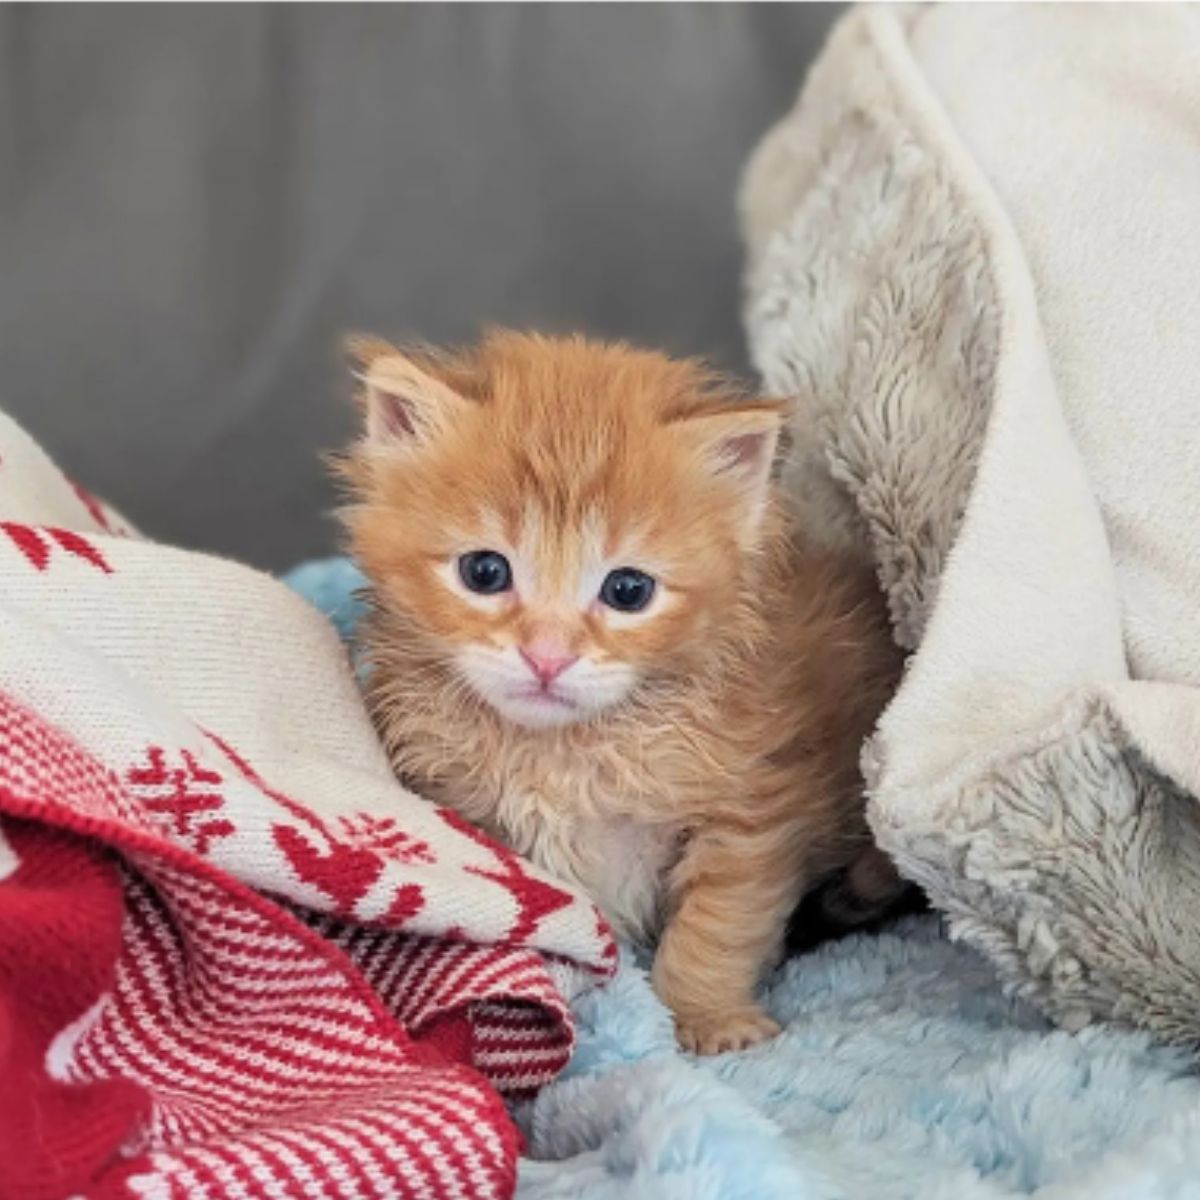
597	634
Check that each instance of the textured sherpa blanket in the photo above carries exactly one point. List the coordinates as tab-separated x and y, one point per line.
973	258
903	1073
237	960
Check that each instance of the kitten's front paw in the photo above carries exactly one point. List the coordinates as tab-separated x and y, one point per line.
716	1033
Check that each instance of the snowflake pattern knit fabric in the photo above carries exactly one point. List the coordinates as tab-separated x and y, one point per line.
237	959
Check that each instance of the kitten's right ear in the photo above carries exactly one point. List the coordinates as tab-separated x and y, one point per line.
403	404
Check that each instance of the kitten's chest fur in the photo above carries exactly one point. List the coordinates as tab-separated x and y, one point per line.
598	809
619	860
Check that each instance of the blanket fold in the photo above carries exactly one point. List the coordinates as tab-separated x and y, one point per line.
237	957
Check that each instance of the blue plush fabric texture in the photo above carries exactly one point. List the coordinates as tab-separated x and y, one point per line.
902	1073
331	584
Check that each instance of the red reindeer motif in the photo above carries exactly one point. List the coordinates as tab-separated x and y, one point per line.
344	868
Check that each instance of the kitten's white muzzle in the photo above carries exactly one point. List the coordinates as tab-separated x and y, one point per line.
505	680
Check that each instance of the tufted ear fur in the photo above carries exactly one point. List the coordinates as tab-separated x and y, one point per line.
404	403
739	443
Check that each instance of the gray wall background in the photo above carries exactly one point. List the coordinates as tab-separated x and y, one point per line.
196	201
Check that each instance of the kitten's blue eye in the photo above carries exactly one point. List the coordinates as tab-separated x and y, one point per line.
485	571
627	589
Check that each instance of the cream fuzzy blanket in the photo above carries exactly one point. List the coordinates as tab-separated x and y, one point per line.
974	258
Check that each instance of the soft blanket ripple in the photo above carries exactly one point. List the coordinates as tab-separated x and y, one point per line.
903	1073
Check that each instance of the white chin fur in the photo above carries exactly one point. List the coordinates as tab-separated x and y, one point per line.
581	692
536	714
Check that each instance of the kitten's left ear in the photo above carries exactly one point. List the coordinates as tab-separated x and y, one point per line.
739	444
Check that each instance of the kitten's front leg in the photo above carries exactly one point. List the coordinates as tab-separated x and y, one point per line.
732	894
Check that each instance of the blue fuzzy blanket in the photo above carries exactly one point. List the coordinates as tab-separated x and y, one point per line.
902	1072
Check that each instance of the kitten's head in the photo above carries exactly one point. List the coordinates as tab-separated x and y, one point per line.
556	520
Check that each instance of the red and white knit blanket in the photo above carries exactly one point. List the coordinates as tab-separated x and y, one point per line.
237	959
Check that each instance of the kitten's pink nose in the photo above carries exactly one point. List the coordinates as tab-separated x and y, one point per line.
547	662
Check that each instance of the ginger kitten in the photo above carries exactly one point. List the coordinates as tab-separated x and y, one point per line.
597	633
